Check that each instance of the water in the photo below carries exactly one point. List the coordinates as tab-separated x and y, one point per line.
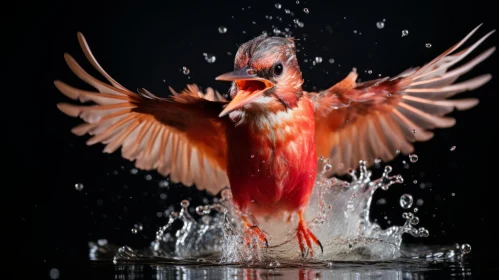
210	58
79	186
222	29
212	247
174	269
338	214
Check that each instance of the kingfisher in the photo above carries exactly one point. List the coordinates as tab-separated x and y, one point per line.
265	140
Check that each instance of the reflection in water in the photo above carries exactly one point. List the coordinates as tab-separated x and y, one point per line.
340	270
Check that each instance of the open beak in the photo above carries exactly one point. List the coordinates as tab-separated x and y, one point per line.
250	88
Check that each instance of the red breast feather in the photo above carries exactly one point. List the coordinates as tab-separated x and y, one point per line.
271	157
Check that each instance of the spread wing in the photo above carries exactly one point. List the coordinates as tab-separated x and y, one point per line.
180	136
375	119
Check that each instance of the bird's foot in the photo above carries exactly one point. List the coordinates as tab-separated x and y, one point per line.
254	233
306	237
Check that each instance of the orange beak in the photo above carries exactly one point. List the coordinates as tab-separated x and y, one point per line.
250	88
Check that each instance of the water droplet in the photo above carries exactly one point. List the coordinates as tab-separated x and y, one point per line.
399	179
407	215
226	194
406	201
252	156
328	167
318	59
414	131
397	151
423	232
453	148
415	221
54	273
287	11
388	169
297	2
186	70
222	29
162	196
380	25
331	60
277	31
369	71
134	231
377	160
306	10
416	209
466	248
453	194
415	182
163	184
428	45
419	202
139	227
405	33
134	171
79	186
148	177
381	201
413	158
184	203
209	58
278	5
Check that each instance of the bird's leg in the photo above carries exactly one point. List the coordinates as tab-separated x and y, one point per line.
253	230
305	236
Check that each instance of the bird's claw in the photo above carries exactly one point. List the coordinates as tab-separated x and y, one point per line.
306	237
255	231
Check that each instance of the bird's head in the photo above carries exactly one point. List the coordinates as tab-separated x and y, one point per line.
266	72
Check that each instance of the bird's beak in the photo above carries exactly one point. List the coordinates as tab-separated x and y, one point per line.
250	88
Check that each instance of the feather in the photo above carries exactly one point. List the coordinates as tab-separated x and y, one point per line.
389	114
156	133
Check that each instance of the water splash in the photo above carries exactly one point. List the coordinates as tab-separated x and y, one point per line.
338	214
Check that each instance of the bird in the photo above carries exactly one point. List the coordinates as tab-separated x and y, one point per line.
264	141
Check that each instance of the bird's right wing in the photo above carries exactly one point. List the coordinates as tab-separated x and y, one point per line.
180	136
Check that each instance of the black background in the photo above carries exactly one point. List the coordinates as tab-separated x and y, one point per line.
142	44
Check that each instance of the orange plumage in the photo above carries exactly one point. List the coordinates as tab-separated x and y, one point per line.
265	142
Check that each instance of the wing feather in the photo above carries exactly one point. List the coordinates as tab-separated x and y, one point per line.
157	133
380	118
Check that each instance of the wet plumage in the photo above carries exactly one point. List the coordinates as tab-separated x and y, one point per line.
264	143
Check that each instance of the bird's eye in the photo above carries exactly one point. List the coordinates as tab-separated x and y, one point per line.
277	68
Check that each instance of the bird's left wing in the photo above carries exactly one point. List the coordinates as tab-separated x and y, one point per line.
380	118
180	135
